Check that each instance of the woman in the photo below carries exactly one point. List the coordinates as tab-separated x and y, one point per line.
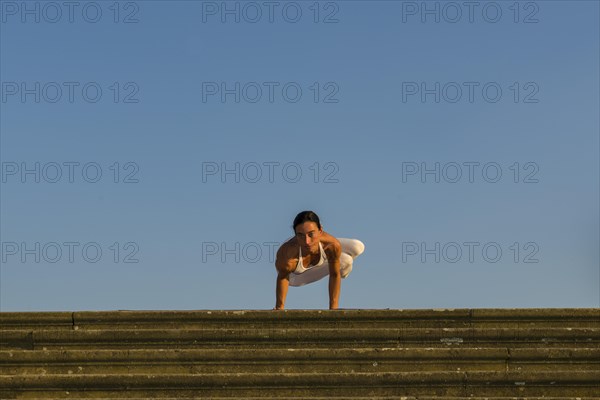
312	254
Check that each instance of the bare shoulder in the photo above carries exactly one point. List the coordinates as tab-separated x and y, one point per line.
287	248
331	245
286	258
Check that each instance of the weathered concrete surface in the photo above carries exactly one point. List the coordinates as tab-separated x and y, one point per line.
423	354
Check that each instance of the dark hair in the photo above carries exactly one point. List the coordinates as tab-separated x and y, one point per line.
306	216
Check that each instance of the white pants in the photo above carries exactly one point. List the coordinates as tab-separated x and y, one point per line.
351	248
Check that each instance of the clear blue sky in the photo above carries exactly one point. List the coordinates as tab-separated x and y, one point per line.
393	93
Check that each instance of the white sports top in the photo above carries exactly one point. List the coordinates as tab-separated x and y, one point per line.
300	268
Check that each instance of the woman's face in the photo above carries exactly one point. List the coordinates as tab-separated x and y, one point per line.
307	235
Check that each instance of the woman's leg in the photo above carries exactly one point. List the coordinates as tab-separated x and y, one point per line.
352	247
345	264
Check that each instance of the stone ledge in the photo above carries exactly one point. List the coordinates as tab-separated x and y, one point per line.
151	316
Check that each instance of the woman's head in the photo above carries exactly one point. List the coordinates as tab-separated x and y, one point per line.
306	216
307	229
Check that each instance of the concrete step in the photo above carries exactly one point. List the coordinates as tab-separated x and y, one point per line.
311	384
165	338
343	360
411	354
154	396
325	319
354	398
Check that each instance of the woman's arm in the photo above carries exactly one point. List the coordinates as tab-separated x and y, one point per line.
281	290
335	276
283	281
